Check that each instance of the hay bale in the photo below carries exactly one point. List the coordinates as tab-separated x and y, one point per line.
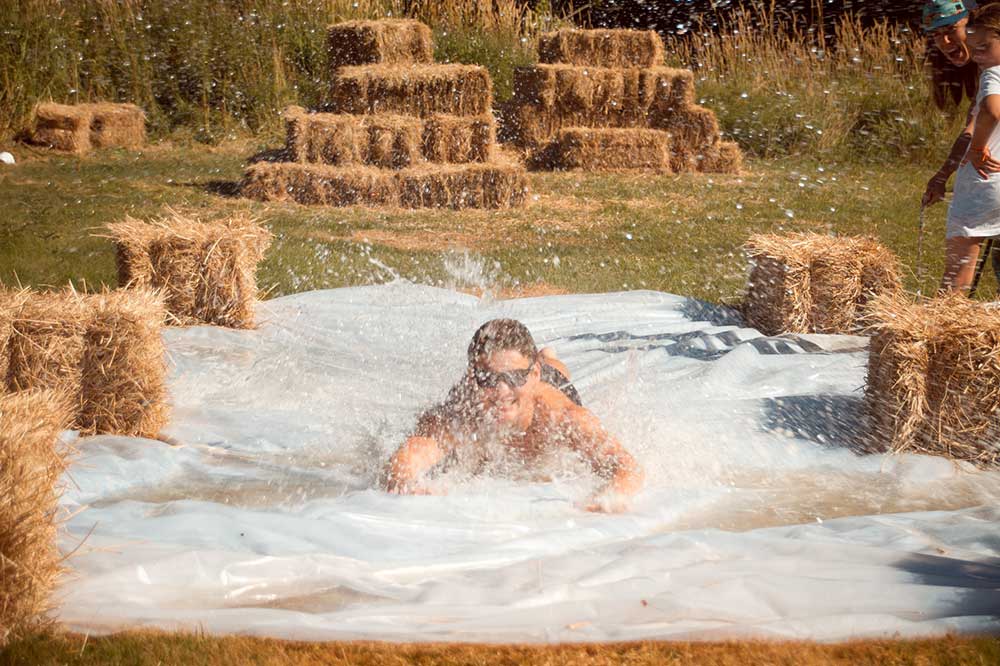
392	142
205	270
777	299
123	368
896	382
593	149
46	348
934	378
61	127
31	464
694	128
416	90
724	157
385	41
812	283
320	184
80	127
474	185
601	48
117	126
548	98
459	139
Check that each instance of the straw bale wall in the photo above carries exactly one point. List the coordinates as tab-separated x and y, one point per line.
385	41
31	464
723	157
387	141
414	90
601	48
933	383
810	283
101	352
476	185
206	271
602	149
80	127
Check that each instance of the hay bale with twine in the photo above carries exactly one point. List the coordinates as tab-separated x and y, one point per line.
933	383
485	185
811	283
601	48
123	366
415	90
603	149
205	270
78	128
384	41
31	464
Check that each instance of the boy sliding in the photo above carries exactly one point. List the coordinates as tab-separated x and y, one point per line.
974	213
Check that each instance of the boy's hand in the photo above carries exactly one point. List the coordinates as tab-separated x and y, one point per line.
608	501
935	190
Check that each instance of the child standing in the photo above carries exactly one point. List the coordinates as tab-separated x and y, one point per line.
974	213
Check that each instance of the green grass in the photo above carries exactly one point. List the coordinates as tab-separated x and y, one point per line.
680	234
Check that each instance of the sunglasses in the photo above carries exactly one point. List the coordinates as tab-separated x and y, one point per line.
488	379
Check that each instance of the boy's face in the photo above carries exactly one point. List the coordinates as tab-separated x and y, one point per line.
984	46
951	40
506	381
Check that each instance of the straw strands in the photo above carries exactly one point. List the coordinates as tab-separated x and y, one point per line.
811	283
205	270
415	90
10	304
31	463
386	140
386	41
603	149
603	48
477	185
933	383
78	128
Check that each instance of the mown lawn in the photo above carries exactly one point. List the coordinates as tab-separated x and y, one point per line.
169	649
578	232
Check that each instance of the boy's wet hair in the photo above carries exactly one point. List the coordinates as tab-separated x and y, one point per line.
499	335
986	17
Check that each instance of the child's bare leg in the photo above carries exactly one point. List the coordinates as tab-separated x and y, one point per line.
960	254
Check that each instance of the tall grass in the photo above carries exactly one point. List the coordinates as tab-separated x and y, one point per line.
217	67
780	88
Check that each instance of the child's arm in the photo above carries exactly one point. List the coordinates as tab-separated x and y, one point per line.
986	122
934	191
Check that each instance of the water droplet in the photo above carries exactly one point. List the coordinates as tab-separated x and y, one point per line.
789	213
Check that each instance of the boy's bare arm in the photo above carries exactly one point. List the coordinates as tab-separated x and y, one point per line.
608	458
405	471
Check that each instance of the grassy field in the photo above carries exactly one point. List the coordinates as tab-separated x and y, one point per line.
578	232
170	649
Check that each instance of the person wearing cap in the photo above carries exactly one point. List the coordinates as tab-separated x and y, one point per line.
944	23
505	417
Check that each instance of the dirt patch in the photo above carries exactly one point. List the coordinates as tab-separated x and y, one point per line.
519	291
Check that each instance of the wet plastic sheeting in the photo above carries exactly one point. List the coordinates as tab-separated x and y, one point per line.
263	517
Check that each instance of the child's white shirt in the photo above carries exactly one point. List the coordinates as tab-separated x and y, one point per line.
975	206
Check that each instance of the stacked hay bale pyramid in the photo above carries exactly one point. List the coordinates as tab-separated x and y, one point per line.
78	128
603	100
399	130
811	283
933	382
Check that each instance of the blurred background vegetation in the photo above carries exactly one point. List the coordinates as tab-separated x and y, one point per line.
211	70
